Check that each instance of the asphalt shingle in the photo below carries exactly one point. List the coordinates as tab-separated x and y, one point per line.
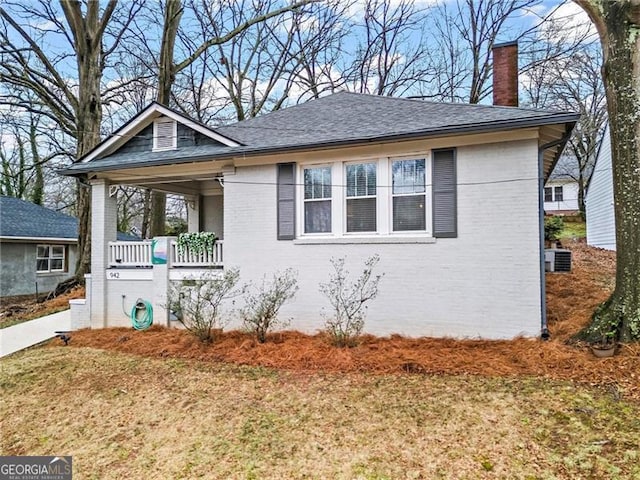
19	218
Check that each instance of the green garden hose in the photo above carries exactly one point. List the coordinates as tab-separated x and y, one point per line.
145	321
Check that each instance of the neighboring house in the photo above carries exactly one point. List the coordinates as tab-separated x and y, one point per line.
446	194
601	223
38	247
561	191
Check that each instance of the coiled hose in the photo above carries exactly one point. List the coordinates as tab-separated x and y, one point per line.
146	320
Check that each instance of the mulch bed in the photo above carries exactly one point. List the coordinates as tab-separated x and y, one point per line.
571	299
27	307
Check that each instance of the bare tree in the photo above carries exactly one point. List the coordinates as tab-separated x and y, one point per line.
466	32
563	73
33	69
391	55
23	162
169	68
618	25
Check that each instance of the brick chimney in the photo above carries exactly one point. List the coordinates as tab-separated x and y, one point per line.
505	74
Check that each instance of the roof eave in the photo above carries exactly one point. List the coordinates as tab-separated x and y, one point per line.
568	119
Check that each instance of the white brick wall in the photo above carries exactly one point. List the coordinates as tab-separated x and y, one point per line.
485	283
103	230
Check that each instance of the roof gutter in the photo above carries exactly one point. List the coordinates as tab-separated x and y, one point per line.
544	327
8	238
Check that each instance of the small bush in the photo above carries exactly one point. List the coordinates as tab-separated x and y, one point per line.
553	227
346	321
197	302
260	313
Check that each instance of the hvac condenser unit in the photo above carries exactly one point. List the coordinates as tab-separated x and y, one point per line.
557	260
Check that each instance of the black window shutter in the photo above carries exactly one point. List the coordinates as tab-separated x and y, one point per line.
286	201
445	221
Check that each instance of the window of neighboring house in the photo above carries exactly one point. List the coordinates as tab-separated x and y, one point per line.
361	197
317	199
548	194
51	258
165	134
409	195
557	193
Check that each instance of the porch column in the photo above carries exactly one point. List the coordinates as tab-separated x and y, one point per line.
103	230
193	214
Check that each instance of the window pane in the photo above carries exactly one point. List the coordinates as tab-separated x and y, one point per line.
326	182
42	265
317	182
548	196
409	213
558	193
361	180
56	264
408	176
43	251
317	217
361	215
308	183
57	251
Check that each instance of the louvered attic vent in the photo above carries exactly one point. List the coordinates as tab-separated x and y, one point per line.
164	134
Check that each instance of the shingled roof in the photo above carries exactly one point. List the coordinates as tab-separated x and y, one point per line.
339	119
26	220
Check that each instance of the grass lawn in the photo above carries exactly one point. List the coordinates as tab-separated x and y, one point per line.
124	416
573	230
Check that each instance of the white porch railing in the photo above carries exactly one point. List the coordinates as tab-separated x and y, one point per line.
130	254
138	254
200	259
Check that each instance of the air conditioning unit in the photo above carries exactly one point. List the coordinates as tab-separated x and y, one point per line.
556	260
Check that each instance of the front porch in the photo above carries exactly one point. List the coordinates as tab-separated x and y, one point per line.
123	272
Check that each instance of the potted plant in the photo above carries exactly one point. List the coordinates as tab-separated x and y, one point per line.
606	346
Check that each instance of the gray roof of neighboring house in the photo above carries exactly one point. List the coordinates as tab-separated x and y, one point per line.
19	218
340	119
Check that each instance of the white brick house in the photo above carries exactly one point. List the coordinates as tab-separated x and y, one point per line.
450	196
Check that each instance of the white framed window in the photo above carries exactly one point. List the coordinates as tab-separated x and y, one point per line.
553	194
558	193
361	197
409	199
165	134
51	258
317	199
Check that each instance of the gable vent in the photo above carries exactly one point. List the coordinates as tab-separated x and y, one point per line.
164	134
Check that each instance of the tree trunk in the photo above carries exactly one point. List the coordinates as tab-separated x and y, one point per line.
87	32
618	24
158	214
166	76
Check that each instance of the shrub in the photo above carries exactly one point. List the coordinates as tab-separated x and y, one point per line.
260	313
348	300
197	302
553	226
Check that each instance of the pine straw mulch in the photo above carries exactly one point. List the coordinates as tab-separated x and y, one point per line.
571	299
27	307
